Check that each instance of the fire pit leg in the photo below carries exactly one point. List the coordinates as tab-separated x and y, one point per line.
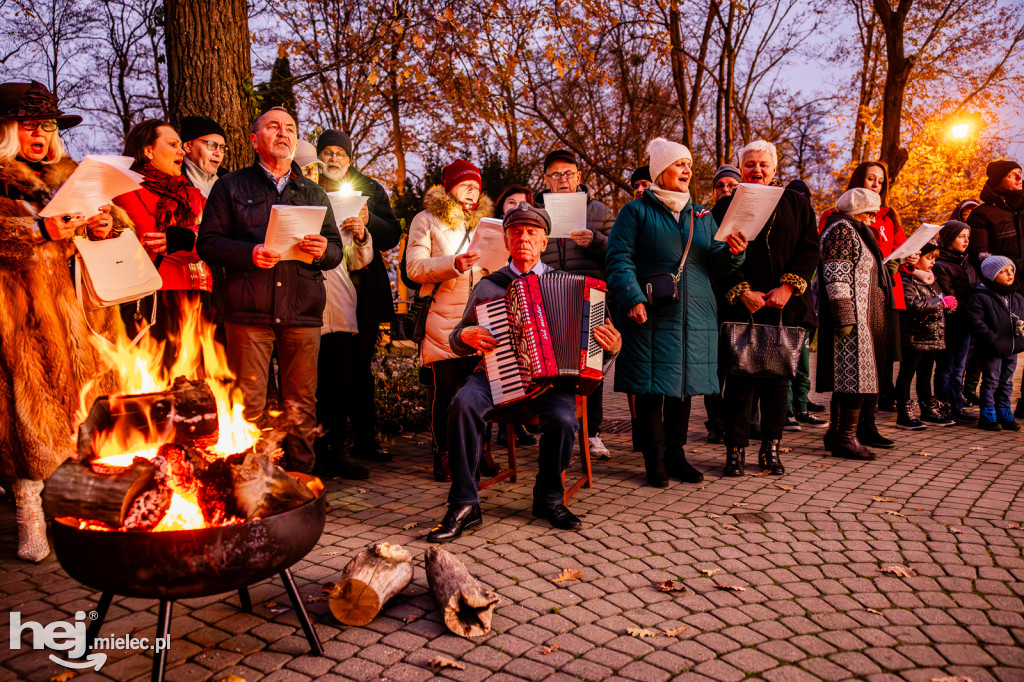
163	627
94	627
245	601
315	647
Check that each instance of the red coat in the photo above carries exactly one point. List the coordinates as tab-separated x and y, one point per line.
889	234
181	269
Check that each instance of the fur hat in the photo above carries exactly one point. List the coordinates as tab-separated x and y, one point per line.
194	127
858	200
991	266
951	229
726	170
458	171
664	153
997	170
334	138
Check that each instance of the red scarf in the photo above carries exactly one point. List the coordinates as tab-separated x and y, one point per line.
173	208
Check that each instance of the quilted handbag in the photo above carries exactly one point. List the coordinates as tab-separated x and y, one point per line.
763	350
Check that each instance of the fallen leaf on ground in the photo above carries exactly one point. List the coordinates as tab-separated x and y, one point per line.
895	513
362	490
876	498
440	661
783	487
712	516
671	586
924	454
823	466
314	600
785	449
897	570
856	471
229	678
730	527
330	554
956	531
641	632
734	588
412	617
831	509
874	611
674	632
740	504
708	572
548	649
1012	526
568	574
766	472
410	525
975	448
273	607
63	677
952	679
697	450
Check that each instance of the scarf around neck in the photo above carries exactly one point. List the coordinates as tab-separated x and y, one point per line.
926	276
173	208
674	201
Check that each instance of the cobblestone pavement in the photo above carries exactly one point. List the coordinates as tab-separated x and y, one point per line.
804	553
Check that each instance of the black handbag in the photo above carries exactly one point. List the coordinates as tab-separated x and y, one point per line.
662	288
414	324
763	350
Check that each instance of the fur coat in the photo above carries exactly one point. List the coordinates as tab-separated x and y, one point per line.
47	354
435	235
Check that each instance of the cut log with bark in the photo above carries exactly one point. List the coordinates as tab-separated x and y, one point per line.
261	488
133	498
467	603
375	575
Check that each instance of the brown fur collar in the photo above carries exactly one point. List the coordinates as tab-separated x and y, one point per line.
443	205
16	178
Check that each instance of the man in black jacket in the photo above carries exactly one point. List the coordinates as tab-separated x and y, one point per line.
373	287
266	299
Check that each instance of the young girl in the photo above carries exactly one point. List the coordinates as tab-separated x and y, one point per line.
996	317
957	277
922	333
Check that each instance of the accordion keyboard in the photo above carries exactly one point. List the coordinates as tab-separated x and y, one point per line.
503	371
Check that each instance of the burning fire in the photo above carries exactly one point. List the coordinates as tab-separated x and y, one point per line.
199	357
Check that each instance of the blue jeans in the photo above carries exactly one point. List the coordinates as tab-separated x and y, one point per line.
950	364
467	419
997	381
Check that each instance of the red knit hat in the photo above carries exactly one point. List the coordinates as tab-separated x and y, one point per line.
458	171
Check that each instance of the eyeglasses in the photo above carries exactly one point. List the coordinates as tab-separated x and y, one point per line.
213	146
335	155
560	176
48	126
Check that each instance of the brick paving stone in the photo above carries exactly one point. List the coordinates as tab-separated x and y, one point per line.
750	661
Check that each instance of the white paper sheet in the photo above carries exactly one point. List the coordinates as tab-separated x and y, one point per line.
752	205
96	181
568	212
289	225
489	241
346	205
915	241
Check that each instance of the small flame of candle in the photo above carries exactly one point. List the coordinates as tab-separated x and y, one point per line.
346	190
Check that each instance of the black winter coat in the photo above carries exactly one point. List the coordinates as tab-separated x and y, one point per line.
788	246
235	220
956	276
997	228
923	327
993	318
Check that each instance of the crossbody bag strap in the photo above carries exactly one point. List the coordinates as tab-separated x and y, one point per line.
689	240
465	238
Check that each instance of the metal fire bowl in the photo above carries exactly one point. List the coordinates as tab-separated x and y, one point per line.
181	564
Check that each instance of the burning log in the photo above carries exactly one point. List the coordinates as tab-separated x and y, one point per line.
185	414
133	498
261	488
467	603
373	577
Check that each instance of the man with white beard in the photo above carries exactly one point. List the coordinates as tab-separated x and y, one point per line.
373	288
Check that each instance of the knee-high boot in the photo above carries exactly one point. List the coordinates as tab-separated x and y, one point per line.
832	433
846	444
867	431
32	544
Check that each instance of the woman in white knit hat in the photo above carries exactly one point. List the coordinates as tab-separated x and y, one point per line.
660	254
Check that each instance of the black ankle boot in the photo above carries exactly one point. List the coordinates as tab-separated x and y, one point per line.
442	472
768	458
654	463
735	459
677	466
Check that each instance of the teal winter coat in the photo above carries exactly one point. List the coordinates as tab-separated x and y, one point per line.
674	353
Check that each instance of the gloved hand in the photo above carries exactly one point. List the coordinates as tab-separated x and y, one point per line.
949	302
893	266
844	331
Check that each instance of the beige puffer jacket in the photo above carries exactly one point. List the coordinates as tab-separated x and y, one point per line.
434	237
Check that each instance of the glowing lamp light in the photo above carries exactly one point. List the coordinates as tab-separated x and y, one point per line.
960	130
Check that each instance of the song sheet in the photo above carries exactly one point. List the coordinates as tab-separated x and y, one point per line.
96	181
568	212
346	205
289	225
489	241
751	207
915	241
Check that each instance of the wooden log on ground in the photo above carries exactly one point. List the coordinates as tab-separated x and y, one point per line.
108	497
467	603
375	575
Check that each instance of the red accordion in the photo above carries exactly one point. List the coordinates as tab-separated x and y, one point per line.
545	331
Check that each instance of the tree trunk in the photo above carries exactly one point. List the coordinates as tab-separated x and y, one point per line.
208	68
374	576
897	74
468	604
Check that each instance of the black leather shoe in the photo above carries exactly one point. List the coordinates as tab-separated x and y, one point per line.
714	437
372	452
808	418
815	407
735	458
458	518
558	514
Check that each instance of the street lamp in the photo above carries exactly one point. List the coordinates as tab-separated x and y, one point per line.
960	130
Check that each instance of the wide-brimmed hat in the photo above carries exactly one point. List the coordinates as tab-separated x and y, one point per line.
32	102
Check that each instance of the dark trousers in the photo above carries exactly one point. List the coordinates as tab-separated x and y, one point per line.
595	410
950	365
800	387
334	388
363	398
997	381
662	421
467	419
739	398
919	363
449	375
249	348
